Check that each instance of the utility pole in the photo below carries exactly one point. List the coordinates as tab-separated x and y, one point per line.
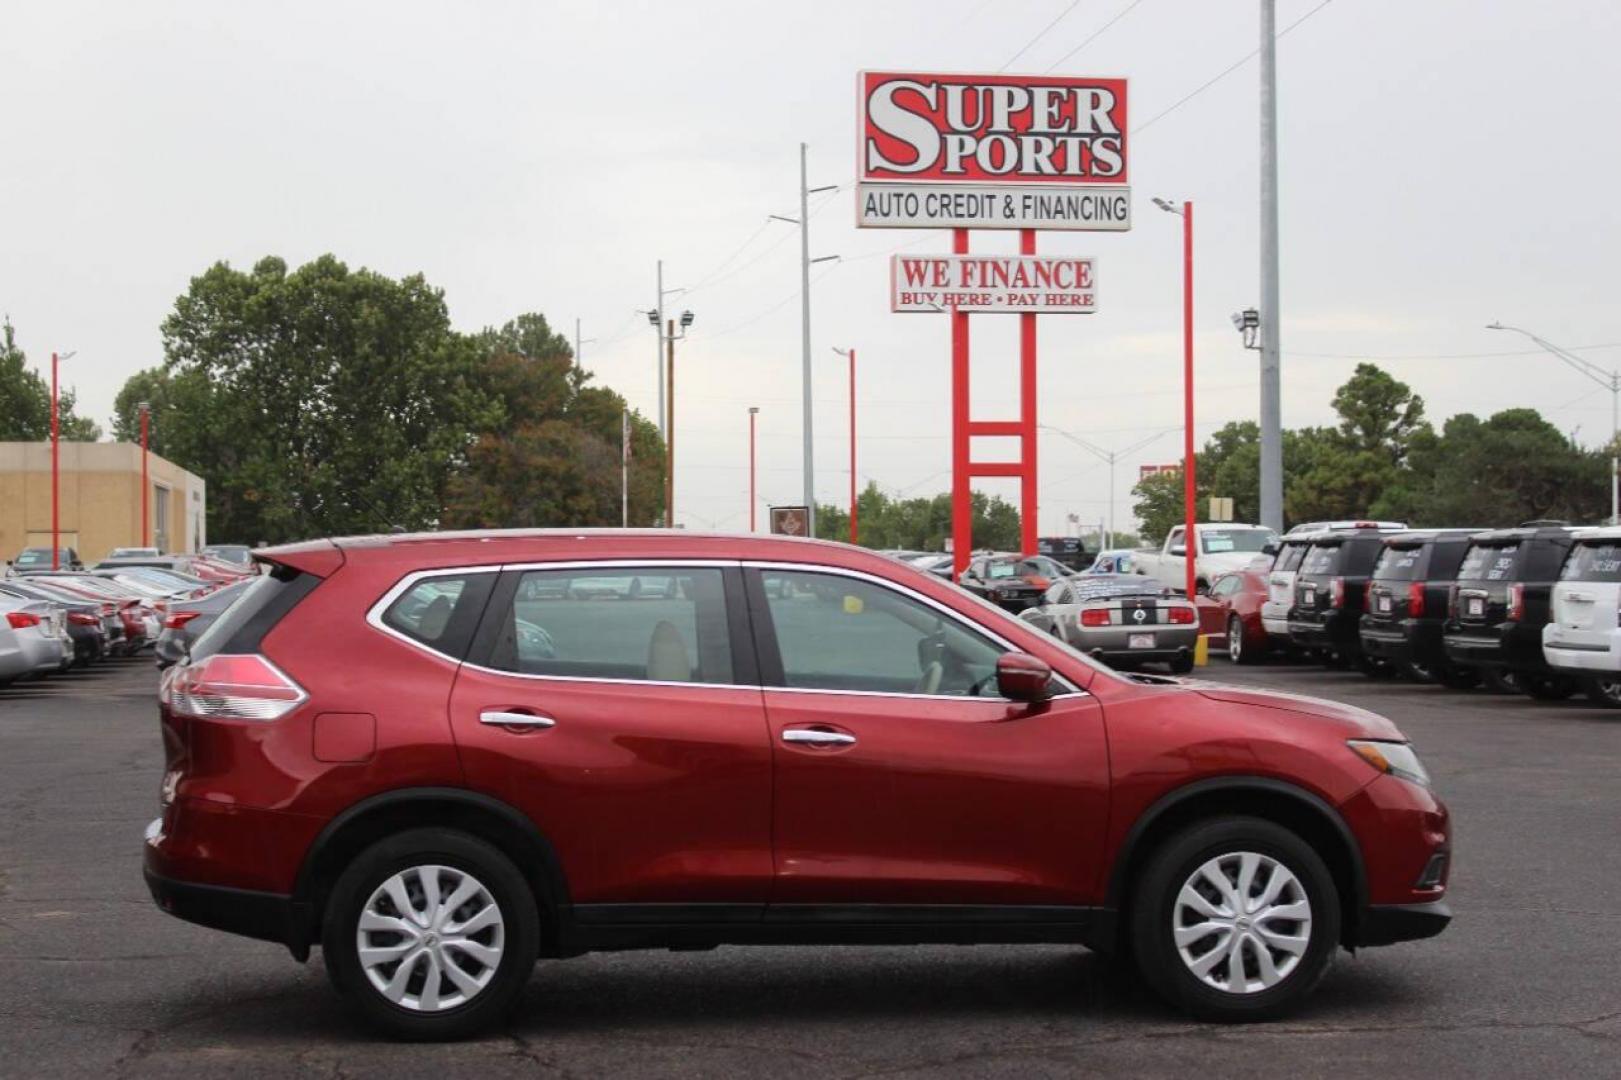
805	339
754	412
656	316
56	475
624	468
1271	344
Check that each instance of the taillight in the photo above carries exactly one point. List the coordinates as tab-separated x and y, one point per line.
1182	615
1038	581
21	619
1336	592
1095	617
1516	602
83	618
231	687
1415	600
1452	601
178	619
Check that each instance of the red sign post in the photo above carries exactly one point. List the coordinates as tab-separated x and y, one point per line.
992	152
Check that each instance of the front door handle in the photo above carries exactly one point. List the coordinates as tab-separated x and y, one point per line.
501	718
812	737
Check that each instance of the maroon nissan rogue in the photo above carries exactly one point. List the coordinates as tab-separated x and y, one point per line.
439	757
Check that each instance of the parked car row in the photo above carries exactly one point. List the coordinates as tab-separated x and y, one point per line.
55	620
1534	609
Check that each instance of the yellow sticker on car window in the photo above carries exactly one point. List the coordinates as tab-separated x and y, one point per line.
852	605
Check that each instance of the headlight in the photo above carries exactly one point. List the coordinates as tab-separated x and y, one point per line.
1394	758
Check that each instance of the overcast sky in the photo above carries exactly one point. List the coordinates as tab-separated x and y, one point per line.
1443	164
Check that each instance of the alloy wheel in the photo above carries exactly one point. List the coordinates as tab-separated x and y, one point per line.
1242	922
430	938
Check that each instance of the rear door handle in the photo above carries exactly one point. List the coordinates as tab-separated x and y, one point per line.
499	718
812	737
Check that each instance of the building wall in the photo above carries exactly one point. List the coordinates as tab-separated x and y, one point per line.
100	499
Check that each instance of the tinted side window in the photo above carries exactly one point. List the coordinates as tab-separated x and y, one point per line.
1290	557
1489	562
441	611
838	633
1593	562
1397	564
642	624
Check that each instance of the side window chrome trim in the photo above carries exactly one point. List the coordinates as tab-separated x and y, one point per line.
963	624
374	616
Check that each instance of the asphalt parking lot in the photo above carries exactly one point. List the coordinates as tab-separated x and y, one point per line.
94	980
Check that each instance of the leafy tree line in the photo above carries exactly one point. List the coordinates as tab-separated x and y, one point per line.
25	399
1385	460
920	524
323	401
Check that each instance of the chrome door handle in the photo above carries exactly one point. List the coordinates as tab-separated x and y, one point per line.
515	719
817	738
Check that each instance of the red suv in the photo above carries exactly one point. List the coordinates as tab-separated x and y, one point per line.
441	756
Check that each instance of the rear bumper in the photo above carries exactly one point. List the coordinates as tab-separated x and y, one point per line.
1338	631
1581	650
265	916
1386	924
1404	641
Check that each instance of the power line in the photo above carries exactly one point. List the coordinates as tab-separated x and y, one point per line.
1095	34
1062	15
1225	72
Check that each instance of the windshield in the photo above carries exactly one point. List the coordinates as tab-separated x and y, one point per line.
1397	564
1488	562
1220	541
39	557
1599	561
1007	569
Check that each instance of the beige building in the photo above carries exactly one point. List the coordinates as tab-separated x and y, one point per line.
100	499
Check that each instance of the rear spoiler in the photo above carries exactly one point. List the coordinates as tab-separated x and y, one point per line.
321	558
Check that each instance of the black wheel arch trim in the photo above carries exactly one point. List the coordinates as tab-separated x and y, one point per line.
1118	880
546	870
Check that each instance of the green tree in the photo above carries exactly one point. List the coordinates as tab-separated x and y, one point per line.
1345	472
921	524
25	400
318	401
1160	505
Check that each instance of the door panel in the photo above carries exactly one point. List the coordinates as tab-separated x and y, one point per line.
938	800
653	779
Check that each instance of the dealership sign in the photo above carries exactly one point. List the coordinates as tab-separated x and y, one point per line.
992	152
993	283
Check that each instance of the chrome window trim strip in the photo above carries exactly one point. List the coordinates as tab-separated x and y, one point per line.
374	617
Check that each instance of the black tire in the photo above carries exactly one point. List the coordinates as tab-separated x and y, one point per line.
1457	677
1549	687
1153	911
1413	671
520	927
1604	690
1500	680
1182	665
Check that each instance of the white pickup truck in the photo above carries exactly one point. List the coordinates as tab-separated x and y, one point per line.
1222	547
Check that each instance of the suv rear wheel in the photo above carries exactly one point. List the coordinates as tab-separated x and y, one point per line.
1235	919
431	933
1604	690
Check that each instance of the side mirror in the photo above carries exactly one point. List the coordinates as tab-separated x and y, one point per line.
1022	677
1271	547
1178	549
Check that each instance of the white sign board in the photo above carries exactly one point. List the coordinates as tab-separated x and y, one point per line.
992	206
1049	284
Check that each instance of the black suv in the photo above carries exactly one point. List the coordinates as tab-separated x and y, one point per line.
1065	549
1406	607
1330	587
1500	605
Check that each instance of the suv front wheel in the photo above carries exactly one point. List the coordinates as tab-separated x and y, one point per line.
431	933
1235	919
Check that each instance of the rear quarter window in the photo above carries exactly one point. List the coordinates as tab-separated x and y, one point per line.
1489	562
1593	562
1291	556
261	605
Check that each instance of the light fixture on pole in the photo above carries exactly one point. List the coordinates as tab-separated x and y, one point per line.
1109	456
1189	466
670	337
1611	381
851	354
656	318
754	412
146	487
1248	323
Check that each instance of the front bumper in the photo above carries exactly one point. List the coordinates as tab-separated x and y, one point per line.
1386	924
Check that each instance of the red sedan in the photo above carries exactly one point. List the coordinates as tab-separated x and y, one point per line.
1231	615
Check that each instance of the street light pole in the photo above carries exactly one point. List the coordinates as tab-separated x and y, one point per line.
805	339
1189	465
1611	381
146	487
851	353
56	475
1271	320
1109	456
754	412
